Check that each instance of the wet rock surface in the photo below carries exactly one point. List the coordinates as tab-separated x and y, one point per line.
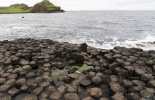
43	70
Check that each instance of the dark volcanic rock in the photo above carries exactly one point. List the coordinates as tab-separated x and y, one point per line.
127	83
2	80
26	96
106	79
95	92
13	91
118	96
96	80
147	77
4	88
71	96
62	89
37	90
4	96
27	72
88	98
85	82
55	95
146	94
133	96
117	88
151	83
15	60
83	47
139	72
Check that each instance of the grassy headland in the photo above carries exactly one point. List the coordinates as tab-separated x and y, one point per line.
42	7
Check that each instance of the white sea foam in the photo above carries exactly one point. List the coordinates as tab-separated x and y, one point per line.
20	27
146	43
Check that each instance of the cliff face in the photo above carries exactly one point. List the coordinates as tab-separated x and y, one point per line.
42	7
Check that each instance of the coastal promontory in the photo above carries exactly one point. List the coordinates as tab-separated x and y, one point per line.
44	6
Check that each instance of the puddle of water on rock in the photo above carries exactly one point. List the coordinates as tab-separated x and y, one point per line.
56	73
82	66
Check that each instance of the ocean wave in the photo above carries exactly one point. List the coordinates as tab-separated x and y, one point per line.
147	43
20	27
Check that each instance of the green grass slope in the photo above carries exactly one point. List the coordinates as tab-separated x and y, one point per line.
42	7
15	8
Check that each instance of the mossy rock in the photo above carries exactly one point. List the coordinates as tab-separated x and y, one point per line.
56	73
77	64
16	66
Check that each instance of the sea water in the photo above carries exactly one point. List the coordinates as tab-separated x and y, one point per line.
100	29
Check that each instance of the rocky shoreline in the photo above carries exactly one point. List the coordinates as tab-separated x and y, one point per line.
26	67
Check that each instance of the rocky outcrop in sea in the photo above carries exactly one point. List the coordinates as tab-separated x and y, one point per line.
48	70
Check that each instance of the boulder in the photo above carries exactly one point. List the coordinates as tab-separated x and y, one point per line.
83	47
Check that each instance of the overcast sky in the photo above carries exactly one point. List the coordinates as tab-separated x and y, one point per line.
92	4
